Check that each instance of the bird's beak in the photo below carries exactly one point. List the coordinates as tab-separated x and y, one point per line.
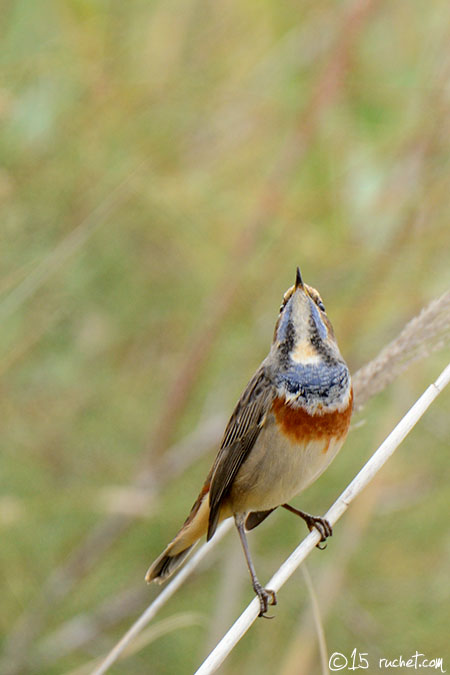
299	280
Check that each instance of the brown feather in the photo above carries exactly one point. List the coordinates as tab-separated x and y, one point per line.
240	435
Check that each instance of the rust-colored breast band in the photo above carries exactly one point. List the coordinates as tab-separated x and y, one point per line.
299	425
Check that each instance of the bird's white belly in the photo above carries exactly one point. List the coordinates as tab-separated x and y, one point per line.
277	469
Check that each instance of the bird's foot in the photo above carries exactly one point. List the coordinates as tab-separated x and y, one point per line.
321	525
266	597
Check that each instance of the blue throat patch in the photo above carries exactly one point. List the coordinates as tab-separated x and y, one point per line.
313	383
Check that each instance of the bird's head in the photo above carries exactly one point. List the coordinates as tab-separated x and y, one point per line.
303	333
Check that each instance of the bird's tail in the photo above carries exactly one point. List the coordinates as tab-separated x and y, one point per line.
194	527
166	564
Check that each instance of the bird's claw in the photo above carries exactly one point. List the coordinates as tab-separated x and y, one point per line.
266	597
322	526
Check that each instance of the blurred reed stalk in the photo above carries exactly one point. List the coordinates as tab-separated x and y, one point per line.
69	245
424	334
163	627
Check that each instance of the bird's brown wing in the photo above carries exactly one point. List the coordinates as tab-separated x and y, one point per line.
240	435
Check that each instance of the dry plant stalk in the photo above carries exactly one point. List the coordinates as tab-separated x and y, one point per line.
298	658
427	332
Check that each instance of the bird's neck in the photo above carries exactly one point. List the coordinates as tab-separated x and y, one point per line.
320	386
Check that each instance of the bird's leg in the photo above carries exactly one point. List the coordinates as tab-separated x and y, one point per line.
265	595
321	524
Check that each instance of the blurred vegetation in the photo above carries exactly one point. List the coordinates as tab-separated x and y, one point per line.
164	168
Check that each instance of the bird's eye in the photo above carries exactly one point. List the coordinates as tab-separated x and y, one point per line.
285	301
320	305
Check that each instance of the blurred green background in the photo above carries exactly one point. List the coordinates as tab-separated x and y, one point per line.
164	168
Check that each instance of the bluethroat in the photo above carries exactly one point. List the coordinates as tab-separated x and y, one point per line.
288	425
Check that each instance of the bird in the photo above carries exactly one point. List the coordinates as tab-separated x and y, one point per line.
288	425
